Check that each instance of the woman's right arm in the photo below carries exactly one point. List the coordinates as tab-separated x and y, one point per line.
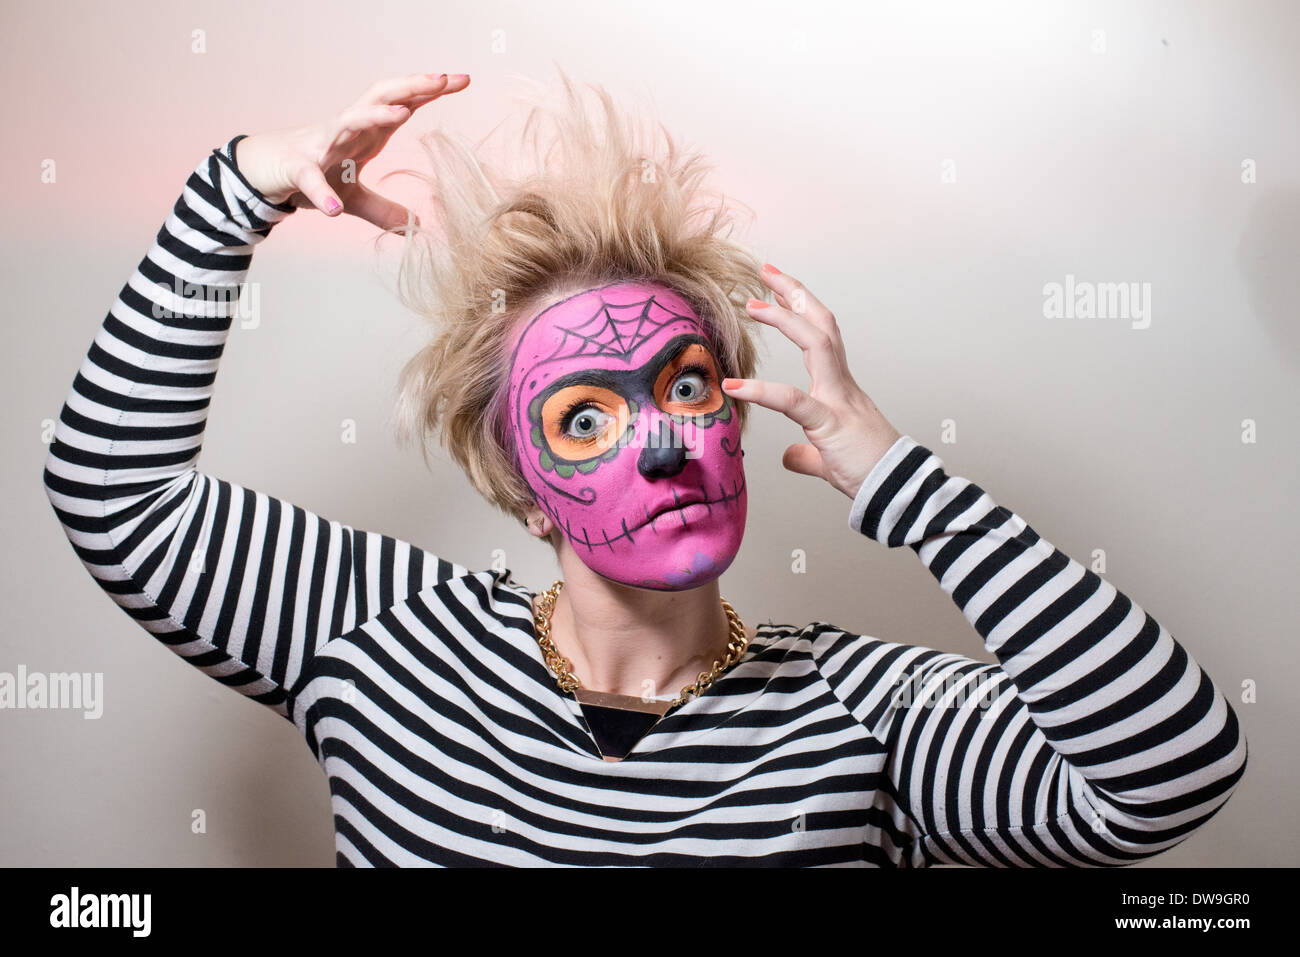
242	585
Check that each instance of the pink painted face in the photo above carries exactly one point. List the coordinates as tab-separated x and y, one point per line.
625	436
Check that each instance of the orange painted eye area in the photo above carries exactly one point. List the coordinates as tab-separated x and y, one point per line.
583	420
689	384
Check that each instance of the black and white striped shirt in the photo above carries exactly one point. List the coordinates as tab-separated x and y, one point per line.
420	687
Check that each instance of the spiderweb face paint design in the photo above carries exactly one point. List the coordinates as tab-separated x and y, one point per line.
626	438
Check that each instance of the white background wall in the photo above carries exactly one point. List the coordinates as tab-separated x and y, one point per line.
833	121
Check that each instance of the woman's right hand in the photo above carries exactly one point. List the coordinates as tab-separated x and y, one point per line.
306	165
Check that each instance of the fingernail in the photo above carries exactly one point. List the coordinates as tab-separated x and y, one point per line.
333	206
730	384
397	107
770	268
460	76
756	304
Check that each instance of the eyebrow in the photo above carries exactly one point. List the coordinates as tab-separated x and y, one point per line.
609	379
596	377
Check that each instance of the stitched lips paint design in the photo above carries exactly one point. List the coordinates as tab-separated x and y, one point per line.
625	437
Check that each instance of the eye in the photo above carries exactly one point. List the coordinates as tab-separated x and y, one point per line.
691	386
688	386
583	421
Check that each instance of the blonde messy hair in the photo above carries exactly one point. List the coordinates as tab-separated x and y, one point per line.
612	205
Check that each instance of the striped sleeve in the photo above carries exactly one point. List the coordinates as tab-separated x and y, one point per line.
242	585
1096	740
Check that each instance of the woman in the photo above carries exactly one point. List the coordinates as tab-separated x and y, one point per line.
591	372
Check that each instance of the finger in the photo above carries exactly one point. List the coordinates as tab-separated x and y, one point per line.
455	83
358	119
799	299
823	354
794	404
415	102
314	186
804	459
377	210
403	87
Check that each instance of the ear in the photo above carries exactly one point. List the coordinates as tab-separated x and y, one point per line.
538	523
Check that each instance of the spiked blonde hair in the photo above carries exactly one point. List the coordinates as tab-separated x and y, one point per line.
613	205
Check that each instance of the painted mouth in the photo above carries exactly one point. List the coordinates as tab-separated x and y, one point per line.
686	498
678	503
681	502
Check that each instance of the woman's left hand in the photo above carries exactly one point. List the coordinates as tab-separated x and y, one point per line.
847	435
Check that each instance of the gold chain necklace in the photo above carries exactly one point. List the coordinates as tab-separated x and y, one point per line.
638	714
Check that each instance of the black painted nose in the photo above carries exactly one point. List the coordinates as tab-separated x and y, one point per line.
664	454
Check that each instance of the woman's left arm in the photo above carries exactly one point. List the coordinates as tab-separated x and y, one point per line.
1098	740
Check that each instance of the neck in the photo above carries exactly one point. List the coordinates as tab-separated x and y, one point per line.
637	641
